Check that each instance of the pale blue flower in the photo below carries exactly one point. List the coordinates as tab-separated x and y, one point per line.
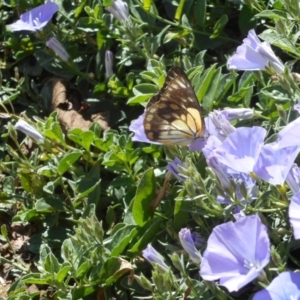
36	18
188	244
286	286
238	113
236	253
218	125
173	168
293	179
297	106
254	55
294	214
244	152
154	257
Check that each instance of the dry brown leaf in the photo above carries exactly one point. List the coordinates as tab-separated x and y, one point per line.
72	110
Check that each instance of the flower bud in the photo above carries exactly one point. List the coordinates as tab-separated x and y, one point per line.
58	49
119	9
29	130
109	58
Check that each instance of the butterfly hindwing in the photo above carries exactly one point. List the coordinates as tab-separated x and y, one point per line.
174	115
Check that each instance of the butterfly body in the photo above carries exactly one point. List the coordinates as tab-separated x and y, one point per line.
174	115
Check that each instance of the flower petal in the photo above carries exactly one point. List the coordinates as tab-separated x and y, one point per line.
286	286
294	214
35	18
236	252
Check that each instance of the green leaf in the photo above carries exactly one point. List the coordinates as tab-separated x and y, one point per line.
171	36
83	269
279	41
181	213
83	138
63	272
240	94
67	161
139	99
37	278
225	83
90	184
275	14
145	194
79	8
88	24
146	234
48	171
113	269
179	10
107	2
218	27
213	89
51	264
82	292
121	239
110	216
145	88
204	81
277	93
52	65
54	132
247	19
200	15
146	4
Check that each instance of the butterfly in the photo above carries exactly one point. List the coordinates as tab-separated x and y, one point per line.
174	116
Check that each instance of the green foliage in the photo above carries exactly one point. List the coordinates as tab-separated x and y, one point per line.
88	195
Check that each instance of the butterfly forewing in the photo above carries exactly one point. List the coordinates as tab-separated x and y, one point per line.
174	115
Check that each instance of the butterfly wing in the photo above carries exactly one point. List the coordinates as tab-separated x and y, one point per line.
174	115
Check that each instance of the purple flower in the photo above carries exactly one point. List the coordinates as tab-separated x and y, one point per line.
173	168
236	253
29	130
286	286
58	49
274	163
290	134
218	125
154	257
276	159
36	18
294	214
238	113
188	244
109	58
254	55
297	106
199	144
244	151
293	179
119	9
222	171
197	239
241	148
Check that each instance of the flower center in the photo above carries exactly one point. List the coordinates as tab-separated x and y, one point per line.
250	265
36	22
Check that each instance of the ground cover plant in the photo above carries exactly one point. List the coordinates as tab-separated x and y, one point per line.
95	205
